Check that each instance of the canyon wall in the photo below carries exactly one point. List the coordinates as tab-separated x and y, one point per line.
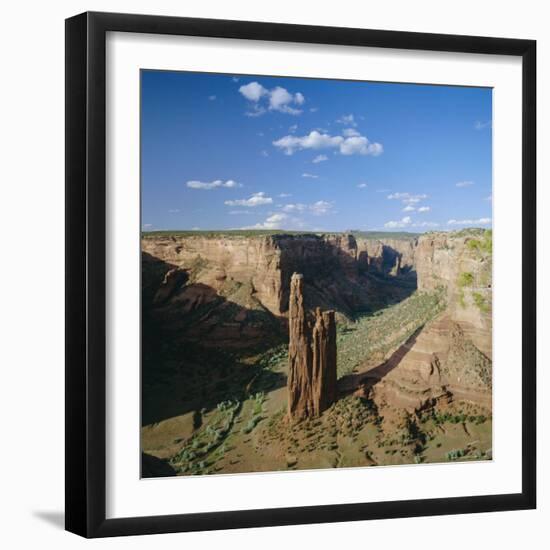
450	357
461	263
231	289
386	256
328	263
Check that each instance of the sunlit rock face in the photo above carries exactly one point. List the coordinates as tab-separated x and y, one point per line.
311	356
266	263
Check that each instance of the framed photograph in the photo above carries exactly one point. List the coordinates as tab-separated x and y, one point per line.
300	274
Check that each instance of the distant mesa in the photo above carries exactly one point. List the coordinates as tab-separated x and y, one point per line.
311	356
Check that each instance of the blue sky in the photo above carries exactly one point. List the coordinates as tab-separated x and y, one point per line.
234	151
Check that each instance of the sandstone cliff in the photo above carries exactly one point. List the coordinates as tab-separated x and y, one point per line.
234	291
329	264
388	256
450	356
460	263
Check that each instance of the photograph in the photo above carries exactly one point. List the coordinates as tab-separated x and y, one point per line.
316	273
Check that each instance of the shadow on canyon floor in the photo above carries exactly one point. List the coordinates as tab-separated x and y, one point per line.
351	382
200	348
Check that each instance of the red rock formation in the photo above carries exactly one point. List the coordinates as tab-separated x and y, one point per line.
324	361
266	263
300	403
311	357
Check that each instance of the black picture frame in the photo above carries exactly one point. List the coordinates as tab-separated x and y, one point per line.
86	263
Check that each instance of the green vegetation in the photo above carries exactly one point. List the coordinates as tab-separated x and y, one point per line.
457	418
252	424
471	232
197	265
483	245
274	357
455	454
374	335
207	444
465	279
481	302
225	406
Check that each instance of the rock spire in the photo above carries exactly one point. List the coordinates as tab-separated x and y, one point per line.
311	357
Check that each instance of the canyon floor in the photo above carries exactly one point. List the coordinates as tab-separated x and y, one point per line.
210	408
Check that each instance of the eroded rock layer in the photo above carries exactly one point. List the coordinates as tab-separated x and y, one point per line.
311	357
234	291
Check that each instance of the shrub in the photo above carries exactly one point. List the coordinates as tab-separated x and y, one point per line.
252	424
465	279
455	454
461	300
484	244
480	302
473	244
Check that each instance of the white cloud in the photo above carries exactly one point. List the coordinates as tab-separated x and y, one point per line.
255	110
321	207
359	145
274	221
256	199
425	224
212	97
147	225
403	222
424	209
264	153
293	128
308	175
314	140
253	91
480	221
350	132
238	212
480	125
375	149
276	218
284	195
348	120
174	210
314	109
464	183
362	185
409	208
319	158
297	207
235	79
277	99
318	208
407	198
229	184
280	100
382	190
489	198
